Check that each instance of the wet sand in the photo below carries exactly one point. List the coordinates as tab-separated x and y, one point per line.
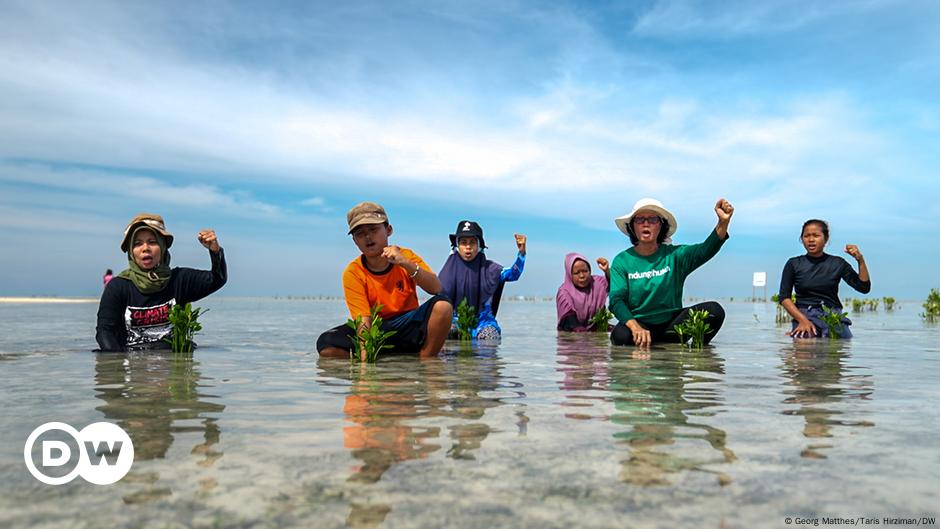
46	300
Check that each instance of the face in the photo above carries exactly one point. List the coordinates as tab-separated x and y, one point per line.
813	239
646	226
146	250
371	239
580	273
468	248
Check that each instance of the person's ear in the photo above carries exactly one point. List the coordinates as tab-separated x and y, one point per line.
389	230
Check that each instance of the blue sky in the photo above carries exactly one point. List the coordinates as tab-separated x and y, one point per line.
547	118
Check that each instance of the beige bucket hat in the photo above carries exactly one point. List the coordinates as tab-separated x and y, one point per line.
648	204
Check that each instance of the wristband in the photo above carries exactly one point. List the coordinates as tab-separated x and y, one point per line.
415	274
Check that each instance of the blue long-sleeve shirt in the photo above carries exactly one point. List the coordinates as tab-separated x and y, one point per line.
486	318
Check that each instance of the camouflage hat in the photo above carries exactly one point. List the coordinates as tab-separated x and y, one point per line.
149	220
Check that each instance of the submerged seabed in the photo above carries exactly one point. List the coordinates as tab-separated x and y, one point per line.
539	431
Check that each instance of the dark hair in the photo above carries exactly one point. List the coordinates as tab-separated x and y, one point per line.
663	230
823	225
108	272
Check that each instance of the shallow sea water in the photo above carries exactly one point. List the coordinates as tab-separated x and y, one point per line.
540	430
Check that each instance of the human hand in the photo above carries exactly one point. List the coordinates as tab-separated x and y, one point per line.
208	239
853	250
520	243
603	264
804	329
641	336
724	210
394	255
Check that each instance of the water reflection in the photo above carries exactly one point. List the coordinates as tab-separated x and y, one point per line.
819	379
155	397
583	360
403	408
664	395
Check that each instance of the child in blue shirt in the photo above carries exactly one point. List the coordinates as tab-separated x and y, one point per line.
468	274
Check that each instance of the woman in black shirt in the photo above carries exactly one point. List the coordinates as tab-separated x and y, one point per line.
816	277
135	305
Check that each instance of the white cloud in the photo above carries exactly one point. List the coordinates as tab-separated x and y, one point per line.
571	144
723	20
146	190
22	219
314	201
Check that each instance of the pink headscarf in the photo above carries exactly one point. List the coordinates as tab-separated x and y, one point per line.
584	302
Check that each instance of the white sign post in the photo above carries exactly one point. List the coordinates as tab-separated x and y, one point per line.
760	280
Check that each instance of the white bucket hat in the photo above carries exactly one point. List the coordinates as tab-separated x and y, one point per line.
649	204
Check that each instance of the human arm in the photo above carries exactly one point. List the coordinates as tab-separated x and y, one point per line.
415	267
564	307
569	322
514	272
804	328
604	266
724	210
862	280
692	256
197	284
619	304
619	293
110	332
208	239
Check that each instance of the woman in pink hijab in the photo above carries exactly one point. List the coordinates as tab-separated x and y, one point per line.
581	295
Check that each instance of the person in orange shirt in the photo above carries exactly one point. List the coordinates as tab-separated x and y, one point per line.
388	275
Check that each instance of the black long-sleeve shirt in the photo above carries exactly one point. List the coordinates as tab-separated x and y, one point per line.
816	280
128	318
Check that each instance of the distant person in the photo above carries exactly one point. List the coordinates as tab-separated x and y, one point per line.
388	275
816	276
646	280
468	274
135	305
582	295
108	275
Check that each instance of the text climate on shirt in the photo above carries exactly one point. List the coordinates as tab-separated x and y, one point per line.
148	324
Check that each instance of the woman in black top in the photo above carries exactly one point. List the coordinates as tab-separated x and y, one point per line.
816	277
135	305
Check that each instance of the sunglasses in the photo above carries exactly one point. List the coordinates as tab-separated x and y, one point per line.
647	220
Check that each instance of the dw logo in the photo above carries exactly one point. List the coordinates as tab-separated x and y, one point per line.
105	453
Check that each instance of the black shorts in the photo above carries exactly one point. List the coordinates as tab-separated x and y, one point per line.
411	330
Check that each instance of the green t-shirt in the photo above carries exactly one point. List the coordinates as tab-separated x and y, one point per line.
649	288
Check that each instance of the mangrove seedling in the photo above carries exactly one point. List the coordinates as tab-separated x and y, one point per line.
857	305
601	319
833	320
932	306
466	320
185	325
693	330
889	302
370	339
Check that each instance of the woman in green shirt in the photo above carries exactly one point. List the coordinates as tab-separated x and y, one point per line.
646	280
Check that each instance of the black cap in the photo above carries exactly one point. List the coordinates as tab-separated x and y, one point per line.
467	228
